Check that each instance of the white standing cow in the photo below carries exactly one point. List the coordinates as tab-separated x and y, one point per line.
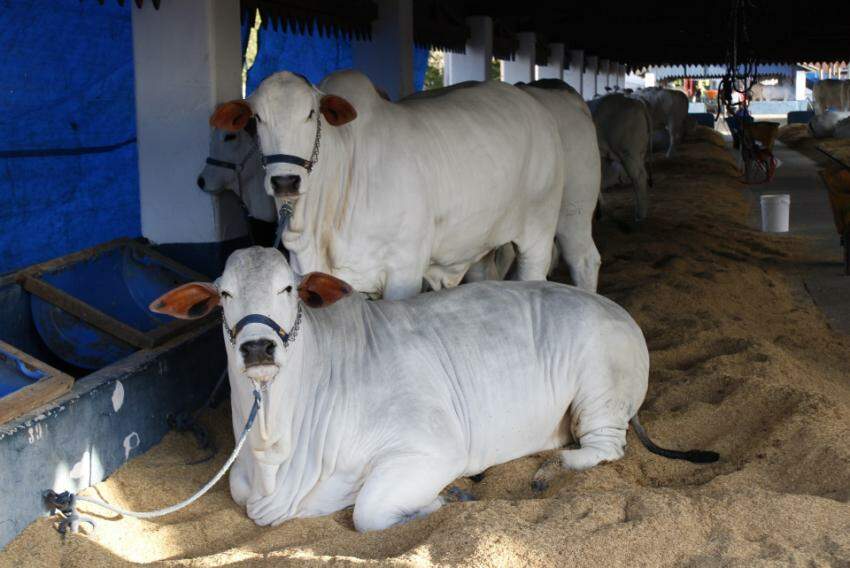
831	95
669	111
389	193
234	164
382	404
624	131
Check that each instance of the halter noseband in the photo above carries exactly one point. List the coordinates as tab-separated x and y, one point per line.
236	168
296	160
287	338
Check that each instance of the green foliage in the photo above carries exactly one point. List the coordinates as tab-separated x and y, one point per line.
495	69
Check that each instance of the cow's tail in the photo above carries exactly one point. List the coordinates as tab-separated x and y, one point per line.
648	119
695	456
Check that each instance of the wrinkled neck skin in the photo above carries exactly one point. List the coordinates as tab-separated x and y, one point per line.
321	209
282	457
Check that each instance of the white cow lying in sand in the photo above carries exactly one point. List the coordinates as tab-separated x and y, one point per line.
382	404
831	95
389	193
234	163
624	131
669	111
825	125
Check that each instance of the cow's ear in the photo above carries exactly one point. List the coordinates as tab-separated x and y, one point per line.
319	290
336	110
232	116
189	301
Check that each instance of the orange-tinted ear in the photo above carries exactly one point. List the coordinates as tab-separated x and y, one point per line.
232	116
189	301
336	110
319	290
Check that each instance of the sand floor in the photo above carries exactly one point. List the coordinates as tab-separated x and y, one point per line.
742	363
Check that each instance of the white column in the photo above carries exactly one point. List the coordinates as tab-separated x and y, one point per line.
649	79
602	77
187	59
621	76
474	65
800	86
554	68
573	74
588	82
522	67
388	59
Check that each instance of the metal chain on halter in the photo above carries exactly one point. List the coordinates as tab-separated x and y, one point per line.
314	157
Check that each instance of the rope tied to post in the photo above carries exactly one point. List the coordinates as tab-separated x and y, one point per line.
65	504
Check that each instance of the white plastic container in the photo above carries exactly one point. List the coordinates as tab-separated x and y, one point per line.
775	211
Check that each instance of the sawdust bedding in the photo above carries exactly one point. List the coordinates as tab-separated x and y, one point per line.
742	363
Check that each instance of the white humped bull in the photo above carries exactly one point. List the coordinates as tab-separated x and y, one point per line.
389	193
381	404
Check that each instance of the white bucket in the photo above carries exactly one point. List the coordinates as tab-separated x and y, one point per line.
775	212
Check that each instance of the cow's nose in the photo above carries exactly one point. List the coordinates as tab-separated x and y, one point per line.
201	182
286	185
258	352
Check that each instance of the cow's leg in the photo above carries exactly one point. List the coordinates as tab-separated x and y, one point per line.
578	249
401	490
603	444
402	284
635	167
597	446
534	258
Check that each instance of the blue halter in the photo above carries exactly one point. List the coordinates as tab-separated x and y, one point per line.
287	338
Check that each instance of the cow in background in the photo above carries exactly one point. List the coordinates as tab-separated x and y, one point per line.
831	95
669	111
234	164
624	131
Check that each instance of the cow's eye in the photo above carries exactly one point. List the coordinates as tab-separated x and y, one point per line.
286	290
229	137
226	294
312	112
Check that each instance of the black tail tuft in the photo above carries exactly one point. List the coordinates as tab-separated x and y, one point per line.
700	456
694	456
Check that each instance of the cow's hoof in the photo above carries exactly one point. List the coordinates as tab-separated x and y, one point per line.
478	477
456	494
546	473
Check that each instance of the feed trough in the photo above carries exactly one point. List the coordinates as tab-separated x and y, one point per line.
90	378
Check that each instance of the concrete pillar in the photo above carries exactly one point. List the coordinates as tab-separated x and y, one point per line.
522	67
621	76
573	74
649	79
800	86
554	69
602	76
175	96
588	82
474	65
388	59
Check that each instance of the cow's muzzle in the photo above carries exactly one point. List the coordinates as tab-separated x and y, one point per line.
257	352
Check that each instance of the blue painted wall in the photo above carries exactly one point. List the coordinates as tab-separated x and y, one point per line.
313	56
66	86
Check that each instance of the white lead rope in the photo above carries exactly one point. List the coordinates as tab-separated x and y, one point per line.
65	503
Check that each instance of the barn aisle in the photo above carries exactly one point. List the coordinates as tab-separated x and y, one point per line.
743	363
811	217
